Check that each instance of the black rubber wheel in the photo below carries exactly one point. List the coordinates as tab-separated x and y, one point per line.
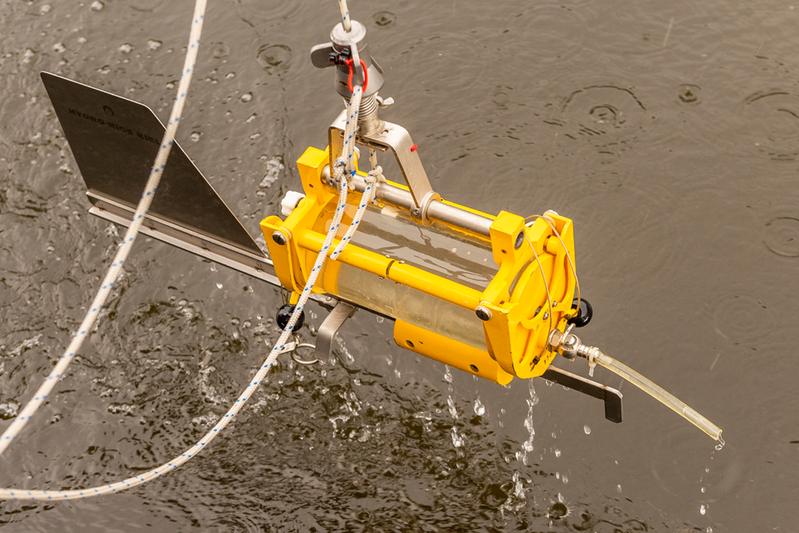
284	314
585	312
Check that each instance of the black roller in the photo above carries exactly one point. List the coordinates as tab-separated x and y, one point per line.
585	312
284	315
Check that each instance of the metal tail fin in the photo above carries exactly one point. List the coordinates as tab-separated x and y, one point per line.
114	141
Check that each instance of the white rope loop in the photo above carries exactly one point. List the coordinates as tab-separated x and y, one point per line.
125	246
278	348
375	175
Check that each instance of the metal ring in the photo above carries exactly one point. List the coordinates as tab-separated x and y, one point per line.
424	204
300	361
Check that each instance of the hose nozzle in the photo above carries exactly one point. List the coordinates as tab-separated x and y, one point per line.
569	345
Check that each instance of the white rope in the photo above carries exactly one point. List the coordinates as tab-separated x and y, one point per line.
279	347
368	195
345	15
350	131
127	243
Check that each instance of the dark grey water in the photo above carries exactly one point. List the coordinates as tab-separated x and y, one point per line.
669	131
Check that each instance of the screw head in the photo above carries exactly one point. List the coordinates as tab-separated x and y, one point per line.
279	238
483	313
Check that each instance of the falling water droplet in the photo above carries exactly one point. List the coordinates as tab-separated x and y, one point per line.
453	411
447	374
219	285
479	408
557	452
587	429
720	445
703	509
457	439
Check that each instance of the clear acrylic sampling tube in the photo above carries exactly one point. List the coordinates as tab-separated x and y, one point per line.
659	393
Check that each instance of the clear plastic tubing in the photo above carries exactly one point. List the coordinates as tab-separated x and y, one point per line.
660	394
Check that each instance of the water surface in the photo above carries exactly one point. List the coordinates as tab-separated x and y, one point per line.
669	132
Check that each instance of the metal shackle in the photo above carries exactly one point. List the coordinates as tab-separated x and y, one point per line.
335	53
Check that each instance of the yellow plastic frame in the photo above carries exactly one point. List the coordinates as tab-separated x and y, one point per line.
516	334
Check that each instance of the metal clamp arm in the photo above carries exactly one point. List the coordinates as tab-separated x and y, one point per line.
610	396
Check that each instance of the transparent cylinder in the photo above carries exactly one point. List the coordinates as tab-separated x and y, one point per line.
436	251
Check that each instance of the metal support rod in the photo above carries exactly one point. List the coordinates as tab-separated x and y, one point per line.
437	210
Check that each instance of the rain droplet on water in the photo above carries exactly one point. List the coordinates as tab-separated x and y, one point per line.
195	136
154	44
587	429
274	169
126	48
8	410
27	55
246	97
97	5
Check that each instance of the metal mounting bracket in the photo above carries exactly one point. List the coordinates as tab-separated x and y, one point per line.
330	326
610	396
395	138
